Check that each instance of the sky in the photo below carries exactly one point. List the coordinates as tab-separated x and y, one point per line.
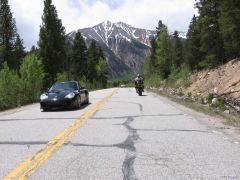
77	14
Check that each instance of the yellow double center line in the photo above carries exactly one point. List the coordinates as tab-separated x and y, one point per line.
29	166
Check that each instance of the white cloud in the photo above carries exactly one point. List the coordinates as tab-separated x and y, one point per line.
77	14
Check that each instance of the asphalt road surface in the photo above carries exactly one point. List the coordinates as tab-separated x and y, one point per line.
129	137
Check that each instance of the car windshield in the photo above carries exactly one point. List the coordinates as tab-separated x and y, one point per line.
64	86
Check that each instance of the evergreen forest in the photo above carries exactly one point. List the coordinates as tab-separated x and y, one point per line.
213	38
25	74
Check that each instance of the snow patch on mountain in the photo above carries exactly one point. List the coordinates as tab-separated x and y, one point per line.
119	31
181	34
125	46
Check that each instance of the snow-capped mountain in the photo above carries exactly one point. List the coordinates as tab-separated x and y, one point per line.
181	34
125	46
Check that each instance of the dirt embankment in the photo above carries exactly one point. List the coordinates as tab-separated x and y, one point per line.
223	81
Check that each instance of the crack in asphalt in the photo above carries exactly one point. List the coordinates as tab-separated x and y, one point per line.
175	130
139	105
129	144
25	143
121	145
141	108
137	116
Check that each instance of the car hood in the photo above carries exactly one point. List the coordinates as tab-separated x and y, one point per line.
58	94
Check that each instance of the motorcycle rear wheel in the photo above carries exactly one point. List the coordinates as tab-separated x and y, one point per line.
140	93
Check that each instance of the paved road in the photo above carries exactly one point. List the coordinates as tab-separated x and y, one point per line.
130	137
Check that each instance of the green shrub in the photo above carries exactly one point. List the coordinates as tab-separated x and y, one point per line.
210	98
221	104
179	77
85	83
208	62
173	77
61	77
154	80
32	74
130	84
10	88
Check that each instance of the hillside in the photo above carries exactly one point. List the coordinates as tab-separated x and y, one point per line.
223	81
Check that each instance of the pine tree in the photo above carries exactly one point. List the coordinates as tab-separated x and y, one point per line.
102	71
19	52
97	66
229	27
152	58
51	42
192	54
150	66
160	27
7	34
67	63
102	68
176	51
150	62
33	50
78	58
92	61
162	54
210	38
100	53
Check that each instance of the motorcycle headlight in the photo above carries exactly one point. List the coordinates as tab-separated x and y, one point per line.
43	97
70	96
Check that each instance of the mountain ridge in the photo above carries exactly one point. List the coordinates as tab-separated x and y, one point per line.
124	46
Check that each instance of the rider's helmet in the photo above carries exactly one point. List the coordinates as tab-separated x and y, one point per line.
138	75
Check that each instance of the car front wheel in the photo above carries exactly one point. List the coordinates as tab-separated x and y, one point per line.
78	102
87	100
45	109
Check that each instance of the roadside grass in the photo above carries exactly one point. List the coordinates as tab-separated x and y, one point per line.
232	119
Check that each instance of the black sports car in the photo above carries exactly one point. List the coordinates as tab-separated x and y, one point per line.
64	95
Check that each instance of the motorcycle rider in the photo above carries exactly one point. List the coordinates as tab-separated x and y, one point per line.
139	80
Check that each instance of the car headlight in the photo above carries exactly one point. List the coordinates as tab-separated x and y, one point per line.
43	97
70	96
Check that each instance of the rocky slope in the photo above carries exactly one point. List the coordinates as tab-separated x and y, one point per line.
224	81
125	46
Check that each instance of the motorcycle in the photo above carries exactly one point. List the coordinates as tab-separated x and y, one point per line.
139	88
